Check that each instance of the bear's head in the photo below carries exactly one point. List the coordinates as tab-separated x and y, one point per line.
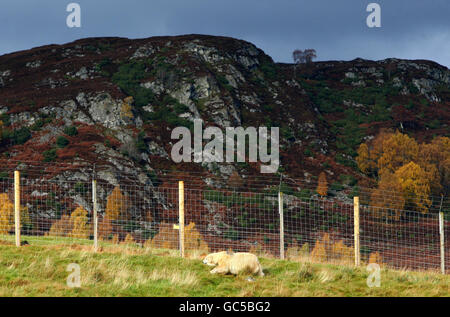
214	258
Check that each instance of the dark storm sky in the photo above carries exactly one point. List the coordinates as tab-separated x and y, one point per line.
411	29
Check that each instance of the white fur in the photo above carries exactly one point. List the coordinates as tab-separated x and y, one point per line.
233	263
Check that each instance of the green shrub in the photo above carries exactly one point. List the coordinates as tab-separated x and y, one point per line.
336	186
102	65
341	159
71	130
307	152
348	180
413	89
380	113
223	82
287	133
50	155
434	124
128	78
3	176
269	70
6	119
38	125
61	142
140	142
80	187
21	135
354	192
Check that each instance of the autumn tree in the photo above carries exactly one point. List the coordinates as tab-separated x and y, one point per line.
79	221
327	250
415	185
398	150
105	229
235	180
365	163
322	186
370	152
168	237
387	199
375	257
117	205
408	188
434	158
406	170
126	110
193	238
61	227
6	214
128	239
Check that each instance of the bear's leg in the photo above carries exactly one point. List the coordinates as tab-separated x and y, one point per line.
259	271
219	270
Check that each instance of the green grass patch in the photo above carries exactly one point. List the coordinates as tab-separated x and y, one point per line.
41	270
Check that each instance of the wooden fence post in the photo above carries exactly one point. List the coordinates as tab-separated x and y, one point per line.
280	211
181	215
356	230
94	213
17	206
441	234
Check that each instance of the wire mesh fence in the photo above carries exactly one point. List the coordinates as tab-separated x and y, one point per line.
58	210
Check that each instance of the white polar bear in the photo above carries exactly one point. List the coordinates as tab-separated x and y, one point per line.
233	263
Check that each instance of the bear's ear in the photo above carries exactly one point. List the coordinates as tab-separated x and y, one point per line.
229	252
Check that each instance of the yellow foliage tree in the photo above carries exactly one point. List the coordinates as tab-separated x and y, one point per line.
75	226
406	169
434	158
322	186
415	185
117	205
369	153
126	111
128	239
398	150
62	227
193	238
375	257
319	253
104	229
365	164
79	220
168	238
115	239
325	250
295	252
6	214
388	199
342	253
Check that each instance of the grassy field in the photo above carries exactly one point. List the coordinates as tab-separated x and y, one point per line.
40	269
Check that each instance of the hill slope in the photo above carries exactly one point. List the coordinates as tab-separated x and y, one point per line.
324	110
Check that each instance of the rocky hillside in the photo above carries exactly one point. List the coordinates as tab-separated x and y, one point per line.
114	102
